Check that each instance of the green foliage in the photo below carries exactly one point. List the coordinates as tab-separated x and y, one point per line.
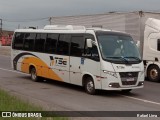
12	103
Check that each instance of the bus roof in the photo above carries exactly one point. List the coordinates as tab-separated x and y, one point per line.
66	29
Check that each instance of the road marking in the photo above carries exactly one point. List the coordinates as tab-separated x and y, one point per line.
13	71
143	100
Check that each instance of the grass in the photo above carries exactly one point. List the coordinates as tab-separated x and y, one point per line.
12	103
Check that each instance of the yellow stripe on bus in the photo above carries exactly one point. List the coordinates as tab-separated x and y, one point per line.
42	68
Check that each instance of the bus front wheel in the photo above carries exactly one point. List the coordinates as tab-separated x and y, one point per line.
89	86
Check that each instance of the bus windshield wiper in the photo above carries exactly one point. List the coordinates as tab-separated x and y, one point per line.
122	58
134	58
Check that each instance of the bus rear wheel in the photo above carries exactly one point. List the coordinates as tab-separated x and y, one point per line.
34	76
89	86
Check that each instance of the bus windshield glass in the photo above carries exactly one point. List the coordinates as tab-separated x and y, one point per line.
118	48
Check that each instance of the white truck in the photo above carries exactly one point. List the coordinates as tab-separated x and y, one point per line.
142	26
151	49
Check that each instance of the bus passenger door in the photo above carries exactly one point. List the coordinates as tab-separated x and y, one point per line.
76	49
61	60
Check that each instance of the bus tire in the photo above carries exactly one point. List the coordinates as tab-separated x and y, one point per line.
89	86
34	76
153	73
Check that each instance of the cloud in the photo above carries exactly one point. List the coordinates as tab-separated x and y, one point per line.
31	9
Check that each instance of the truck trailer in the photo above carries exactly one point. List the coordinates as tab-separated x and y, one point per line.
144	27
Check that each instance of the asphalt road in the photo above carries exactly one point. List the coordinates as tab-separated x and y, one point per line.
60	96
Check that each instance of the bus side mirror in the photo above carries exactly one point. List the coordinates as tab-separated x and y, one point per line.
89	43
138	44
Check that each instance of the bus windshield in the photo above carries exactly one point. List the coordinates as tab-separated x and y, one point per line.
118	48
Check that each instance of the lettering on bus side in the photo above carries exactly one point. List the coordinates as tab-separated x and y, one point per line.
58	61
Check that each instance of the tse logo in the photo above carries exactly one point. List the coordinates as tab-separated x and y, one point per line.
61	61
58	61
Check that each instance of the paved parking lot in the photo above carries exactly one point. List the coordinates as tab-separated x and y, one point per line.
60	96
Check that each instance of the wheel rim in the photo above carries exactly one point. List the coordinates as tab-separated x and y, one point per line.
90	86
33	74
154	73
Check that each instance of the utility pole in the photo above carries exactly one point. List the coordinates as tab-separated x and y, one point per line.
0	27
50	18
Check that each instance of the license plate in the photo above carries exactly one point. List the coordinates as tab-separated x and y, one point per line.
130	79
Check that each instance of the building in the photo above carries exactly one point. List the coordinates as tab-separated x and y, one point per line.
130	22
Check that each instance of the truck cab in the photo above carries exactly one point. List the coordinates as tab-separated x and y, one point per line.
151	49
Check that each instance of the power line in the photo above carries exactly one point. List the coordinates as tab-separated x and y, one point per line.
27	20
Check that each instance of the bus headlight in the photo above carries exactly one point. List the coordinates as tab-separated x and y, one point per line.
114	85
110	73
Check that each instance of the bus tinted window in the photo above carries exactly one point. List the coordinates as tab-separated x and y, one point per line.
39	42
77	46
63	45
29	41
51	41
18	41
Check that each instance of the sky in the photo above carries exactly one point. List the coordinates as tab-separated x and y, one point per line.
24	13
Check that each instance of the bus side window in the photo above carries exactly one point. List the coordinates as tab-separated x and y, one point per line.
77	45
51	41
29	41
18	41
91	53
39	42
63	44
